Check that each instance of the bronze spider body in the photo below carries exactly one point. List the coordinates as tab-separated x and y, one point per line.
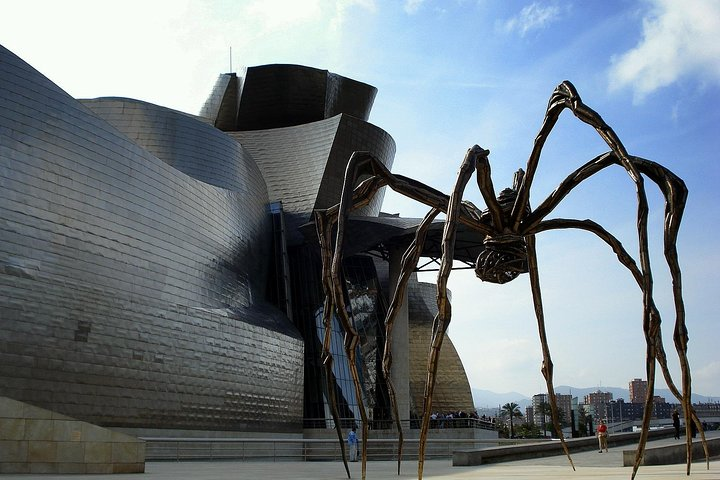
509	226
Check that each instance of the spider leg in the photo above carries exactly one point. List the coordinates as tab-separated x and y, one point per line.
333	284
352	198
357	161
442	319
408	264
675	194
651	326
547	365
673	216
566	96
324	230
651	318
625	258
485	185
381	176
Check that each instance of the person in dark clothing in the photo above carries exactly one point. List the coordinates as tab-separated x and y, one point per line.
676	423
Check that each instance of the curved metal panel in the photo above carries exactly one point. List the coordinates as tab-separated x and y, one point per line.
221	106
131	291
276	96
193	147
452	391
304	165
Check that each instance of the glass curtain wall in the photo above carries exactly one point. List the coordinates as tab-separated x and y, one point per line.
367	312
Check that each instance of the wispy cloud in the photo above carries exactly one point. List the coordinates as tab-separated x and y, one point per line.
412	6
535	16
680	39
342	7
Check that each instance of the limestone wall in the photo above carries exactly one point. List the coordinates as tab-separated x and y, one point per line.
35	440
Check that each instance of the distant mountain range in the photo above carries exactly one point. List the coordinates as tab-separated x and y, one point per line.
488	399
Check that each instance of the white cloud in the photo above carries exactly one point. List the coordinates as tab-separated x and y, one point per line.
679	39
412	6
342	7
535	16
280	14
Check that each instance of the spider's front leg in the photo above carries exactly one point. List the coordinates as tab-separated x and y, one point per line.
442	319
348	200
332	259
332	256
324	232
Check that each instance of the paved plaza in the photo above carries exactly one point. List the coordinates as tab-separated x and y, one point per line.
589	465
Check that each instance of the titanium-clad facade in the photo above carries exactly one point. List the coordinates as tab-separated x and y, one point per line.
155	266
276	96
452	389
132	293
307	175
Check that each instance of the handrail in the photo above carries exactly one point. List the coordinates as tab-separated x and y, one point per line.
456	422
189	448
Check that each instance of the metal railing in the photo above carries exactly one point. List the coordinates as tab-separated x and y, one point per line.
347	423
279	449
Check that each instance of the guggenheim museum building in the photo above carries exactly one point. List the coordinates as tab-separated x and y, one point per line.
159	270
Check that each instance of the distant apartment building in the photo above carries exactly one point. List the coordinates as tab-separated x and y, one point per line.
564	403
540	415
597	403
662	409
638	390
620	411
707	409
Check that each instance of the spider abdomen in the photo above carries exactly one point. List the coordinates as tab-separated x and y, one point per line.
503	259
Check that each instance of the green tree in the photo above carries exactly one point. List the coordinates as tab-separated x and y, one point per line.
582	422
527	430
511	410
545	411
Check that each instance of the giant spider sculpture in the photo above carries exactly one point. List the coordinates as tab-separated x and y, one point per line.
509	227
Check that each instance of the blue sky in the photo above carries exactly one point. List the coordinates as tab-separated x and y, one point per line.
452	74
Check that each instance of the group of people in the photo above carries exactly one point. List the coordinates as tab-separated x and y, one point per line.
453	419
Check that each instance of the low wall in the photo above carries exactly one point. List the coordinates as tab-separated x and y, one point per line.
673	454
546	448
35	440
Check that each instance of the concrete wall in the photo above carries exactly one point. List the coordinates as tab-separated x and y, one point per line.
35	440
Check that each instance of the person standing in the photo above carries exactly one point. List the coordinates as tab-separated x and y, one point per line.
676	423
353	444
602	435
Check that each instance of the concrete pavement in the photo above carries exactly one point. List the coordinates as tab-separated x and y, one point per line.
589	465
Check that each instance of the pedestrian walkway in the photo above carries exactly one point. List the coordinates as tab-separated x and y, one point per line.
589	465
